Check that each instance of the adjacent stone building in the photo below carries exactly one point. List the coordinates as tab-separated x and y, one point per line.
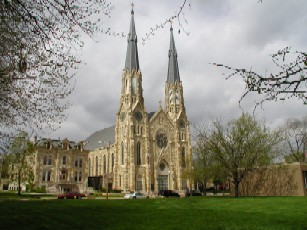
276	180
61	166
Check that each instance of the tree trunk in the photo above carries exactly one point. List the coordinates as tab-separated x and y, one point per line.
236	183
19	187
205	187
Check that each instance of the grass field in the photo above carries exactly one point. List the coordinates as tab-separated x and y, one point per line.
184	213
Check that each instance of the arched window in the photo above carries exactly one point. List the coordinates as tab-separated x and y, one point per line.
183	157
104	164
89	166
96	166
122	153
138	153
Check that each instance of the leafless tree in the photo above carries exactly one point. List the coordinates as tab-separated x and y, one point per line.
289	82
40	41
38	58
296	139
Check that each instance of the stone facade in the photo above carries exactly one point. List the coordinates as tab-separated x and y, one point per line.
276	180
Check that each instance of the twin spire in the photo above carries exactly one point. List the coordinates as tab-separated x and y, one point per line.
132	57
173	70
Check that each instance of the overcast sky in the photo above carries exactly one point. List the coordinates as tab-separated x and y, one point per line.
237	33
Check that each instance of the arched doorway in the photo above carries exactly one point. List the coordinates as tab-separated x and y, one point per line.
163	176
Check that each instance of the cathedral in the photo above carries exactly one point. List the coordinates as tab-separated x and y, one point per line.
153	149
149	152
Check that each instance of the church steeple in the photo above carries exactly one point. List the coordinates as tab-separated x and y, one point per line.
174	103
132	91
132	57
173	70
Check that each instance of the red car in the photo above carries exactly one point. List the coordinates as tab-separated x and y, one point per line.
71	195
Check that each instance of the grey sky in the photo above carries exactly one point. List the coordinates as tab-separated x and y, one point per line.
237	33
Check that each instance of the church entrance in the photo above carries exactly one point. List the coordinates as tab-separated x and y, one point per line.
162	182
163	176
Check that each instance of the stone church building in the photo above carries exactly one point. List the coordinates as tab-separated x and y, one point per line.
151	150
144	151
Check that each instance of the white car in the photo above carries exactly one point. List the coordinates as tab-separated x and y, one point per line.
135	195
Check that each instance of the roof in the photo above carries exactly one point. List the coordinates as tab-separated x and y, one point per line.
101	138
132	57
173	70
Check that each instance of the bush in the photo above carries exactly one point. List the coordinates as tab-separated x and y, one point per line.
40	189
116	191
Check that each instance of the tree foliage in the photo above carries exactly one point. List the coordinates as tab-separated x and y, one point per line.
206	167
289	82
20	159
296	140
241	146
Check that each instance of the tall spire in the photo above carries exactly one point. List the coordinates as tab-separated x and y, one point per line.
132	57
173	70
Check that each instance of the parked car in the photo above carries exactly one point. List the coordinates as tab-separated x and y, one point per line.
71	195
168	193
135	195
194	193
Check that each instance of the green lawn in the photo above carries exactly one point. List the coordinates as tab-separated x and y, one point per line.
184	213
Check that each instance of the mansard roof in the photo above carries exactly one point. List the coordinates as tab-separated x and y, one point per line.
132	57
173	70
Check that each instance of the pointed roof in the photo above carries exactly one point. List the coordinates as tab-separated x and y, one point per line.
173	70
132	57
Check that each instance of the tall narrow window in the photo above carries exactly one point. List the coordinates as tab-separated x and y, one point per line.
64	160
80	163
127	89
80	176
138	153
133	85
183	157
45	160
122	153
96	166
104	164
112	162
89	166
49	160
44	176
48	175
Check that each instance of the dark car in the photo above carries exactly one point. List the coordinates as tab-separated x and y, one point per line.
193	193
168	193
71	195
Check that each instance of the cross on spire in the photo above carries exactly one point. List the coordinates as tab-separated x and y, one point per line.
171	22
